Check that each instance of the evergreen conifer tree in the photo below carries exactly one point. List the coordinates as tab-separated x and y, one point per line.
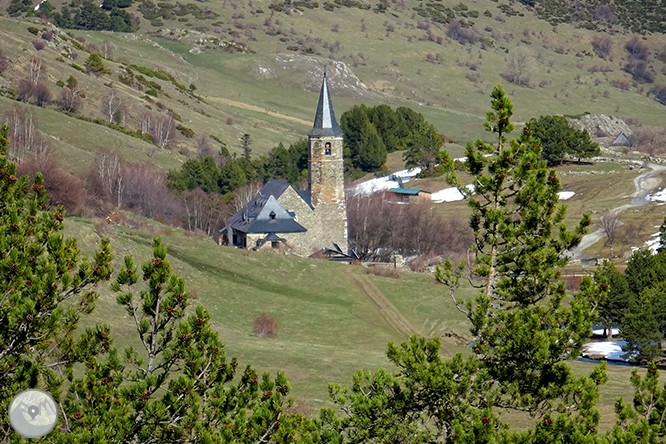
618	299
179	386
371	150
41	275
96	65
524	331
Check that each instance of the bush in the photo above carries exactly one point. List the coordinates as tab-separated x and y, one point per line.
32	30
63	188
38	44
185	131
265	326
42	94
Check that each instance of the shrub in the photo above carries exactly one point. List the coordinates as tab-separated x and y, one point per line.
38	44
639	71
659	93
265	326
602	46
185	131
42	94
63	188
32	30
637	49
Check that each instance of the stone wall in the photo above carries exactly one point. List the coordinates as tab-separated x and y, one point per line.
326	179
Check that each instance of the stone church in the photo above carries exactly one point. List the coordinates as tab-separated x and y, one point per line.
301	221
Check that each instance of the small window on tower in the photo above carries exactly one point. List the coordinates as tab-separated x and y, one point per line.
272	215
327	148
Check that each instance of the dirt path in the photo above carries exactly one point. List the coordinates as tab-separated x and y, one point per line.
388	311
259	110
644	183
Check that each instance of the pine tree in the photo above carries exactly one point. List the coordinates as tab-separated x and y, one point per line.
644	324
371	150
524	331
42	274
618	298
423	147
179	386
96	65
662	237
245	144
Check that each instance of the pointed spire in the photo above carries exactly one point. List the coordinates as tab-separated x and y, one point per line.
324	123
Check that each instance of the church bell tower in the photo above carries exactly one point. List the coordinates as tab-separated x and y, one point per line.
326	173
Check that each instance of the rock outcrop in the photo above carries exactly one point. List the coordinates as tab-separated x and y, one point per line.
600	125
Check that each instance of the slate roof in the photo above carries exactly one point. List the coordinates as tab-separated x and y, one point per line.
264	214
255	217
622	139
407	191
325	124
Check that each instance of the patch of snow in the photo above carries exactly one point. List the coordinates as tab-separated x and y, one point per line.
386	182
564	195
600	331
449	194
373	185
658	197
609	349
38	5
651	244
407	173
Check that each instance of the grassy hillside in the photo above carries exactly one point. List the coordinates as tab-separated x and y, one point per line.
327	327
266	82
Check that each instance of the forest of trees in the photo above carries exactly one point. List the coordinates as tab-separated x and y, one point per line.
372	133
83	14
180	387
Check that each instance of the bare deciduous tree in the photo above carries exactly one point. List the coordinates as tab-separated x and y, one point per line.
107	49
24	133
379	227
35	70
42	94
243	195
105	178
62	187
161	127
204	149
145	191
521	67
602	46
610	224
25	90
70	99
204	211
650	140
113	107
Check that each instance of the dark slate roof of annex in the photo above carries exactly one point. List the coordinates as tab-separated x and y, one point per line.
253	208
325	124
264	214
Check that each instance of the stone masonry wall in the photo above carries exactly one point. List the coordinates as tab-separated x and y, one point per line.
326	178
